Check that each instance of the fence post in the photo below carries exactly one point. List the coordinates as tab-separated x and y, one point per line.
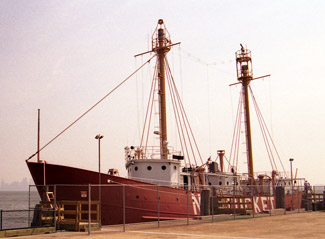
253	203
123	189
323	200
89	209
188	211
158	209
212	209
234	202
28	206
55	207
0	219
270	202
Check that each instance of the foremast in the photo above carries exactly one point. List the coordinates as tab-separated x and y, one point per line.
161	46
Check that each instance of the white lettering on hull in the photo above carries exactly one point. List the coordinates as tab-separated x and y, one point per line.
196	203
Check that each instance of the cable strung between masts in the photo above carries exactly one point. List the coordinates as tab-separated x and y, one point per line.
91	108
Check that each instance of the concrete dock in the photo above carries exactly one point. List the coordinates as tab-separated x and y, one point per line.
298	225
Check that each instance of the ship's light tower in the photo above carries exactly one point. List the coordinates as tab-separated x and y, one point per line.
244	76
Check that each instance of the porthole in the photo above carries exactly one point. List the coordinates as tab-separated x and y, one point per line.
175	167
220	183
227	183
137	196
136	168
163	167
149	168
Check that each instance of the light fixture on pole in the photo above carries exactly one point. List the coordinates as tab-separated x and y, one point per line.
292	205
99	137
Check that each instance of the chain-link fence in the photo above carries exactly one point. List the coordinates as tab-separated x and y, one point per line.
84	206
18	210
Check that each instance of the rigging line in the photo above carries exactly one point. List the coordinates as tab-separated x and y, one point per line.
228	161
181	119
199	60
177	115
270	105
234	145
154	85
180	73
265	138
187	121
149	100
137	94
142	87
209	114
116	87
234	138
173	64
275	148
263	127
241	109
182	137
150	117
177	118
239	130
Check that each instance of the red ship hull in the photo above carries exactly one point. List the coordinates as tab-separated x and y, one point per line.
140	199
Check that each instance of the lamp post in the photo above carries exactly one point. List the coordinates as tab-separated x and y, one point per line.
99	137
292	206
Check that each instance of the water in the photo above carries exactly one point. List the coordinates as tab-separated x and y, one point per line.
14	206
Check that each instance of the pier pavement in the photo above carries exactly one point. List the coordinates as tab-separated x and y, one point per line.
296	226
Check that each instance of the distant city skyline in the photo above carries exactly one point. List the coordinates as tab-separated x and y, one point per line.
22	185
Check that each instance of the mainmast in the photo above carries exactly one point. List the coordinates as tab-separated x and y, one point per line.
161	45
244	76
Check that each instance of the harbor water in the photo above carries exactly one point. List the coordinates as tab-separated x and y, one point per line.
14	206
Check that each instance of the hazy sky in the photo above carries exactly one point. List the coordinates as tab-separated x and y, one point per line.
63	56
